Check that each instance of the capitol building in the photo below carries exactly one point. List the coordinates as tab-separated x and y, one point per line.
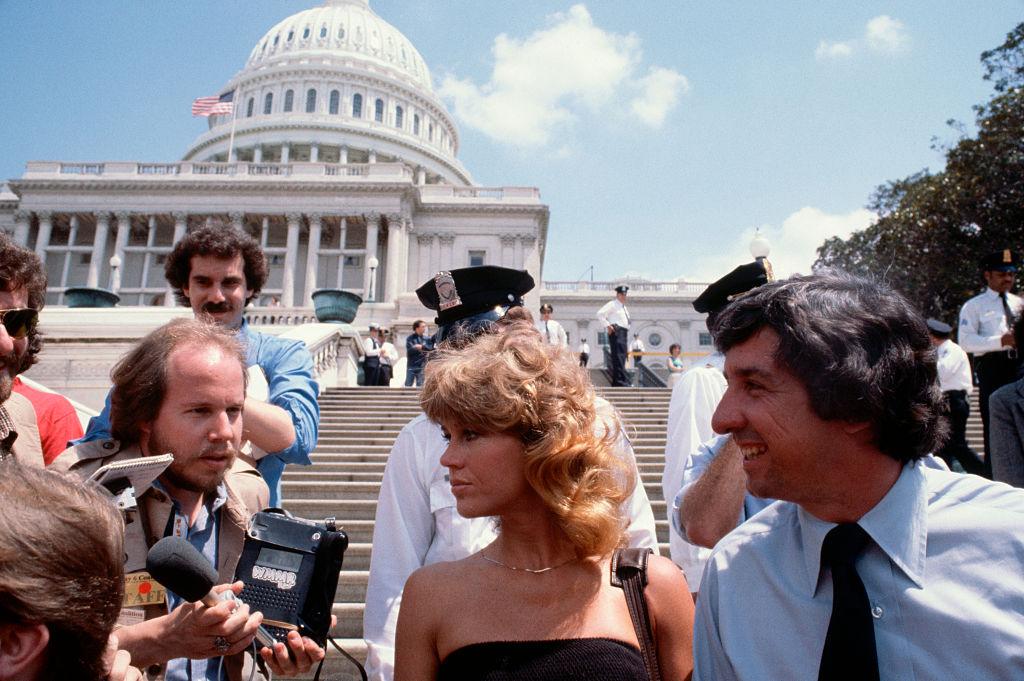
343	162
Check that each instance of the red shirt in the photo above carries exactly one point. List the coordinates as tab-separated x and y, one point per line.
57	419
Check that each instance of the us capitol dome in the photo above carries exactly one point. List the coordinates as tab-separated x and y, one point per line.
337	84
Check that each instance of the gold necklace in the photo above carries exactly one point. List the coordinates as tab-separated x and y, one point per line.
532	571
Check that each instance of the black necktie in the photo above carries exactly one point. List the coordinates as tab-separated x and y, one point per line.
1007	312
850	643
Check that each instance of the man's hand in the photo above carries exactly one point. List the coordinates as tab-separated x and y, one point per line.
1008	341
305	653
199	631
118	663
610	329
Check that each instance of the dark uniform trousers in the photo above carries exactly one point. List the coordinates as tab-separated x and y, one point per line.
994	370
956	446
617	343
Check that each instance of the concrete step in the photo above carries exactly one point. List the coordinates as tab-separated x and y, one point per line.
344	491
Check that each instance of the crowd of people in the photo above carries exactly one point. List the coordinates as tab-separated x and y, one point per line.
817	529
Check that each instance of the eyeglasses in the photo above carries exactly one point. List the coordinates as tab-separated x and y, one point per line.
19	321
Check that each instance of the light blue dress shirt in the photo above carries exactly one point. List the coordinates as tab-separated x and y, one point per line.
944	576
288	367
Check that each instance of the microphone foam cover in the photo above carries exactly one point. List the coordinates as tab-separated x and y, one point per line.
178	566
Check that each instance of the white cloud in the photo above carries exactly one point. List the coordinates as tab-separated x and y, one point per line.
885	34
881	34
794	244
830	50
543	83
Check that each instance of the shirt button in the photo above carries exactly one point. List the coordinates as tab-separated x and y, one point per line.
877	612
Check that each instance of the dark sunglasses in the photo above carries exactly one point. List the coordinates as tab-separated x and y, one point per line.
19	321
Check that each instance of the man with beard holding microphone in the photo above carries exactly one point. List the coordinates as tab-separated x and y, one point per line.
218	270
181	391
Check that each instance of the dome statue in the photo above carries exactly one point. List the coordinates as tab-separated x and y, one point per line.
336	84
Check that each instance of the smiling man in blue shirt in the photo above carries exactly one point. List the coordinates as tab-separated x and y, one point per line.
217	271
872	565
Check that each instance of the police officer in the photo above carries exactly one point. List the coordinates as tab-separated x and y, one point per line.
986	323
615	318
956	383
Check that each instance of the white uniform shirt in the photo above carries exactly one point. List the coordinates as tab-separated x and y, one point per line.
614	312
553	333
388	353
694	400
371	346
954	368
983	321
585	347
638	345
417	524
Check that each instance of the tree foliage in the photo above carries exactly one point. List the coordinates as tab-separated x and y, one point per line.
933	228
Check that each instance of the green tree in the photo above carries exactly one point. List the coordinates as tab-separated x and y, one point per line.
933	228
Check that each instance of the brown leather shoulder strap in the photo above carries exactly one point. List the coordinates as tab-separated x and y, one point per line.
629	573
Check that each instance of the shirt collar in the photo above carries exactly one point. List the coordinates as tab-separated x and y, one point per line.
212	502
992	294
898	524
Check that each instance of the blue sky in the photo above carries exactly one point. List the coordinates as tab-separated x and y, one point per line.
660	133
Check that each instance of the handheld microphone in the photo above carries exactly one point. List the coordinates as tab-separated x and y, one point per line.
180	568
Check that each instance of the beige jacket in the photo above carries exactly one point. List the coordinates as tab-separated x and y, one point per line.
28	448
247	493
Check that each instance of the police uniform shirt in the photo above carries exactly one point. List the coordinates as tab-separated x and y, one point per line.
941	571
983	321
614	313
954	368
552	332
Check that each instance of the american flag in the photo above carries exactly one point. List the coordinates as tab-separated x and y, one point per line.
214	106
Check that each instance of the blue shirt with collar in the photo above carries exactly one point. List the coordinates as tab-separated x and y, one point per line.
288	367
202	535
942	574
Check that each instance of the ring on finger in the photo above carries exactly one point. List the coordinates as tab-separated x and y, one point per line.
221	644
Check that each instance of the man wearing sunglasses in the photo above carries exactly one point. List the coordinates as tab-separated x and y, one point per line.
217	271
22	294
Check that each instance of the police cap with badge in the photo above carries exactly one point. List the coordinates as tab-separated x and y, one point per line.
741	280
1000	261
939	329
469	299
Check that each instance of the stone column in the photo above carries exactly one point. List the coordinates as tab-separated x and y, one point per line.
290	255
237	220
508	243
372	156
99	249
396	234
447	251
257	154
72	238
45	228
404	271
180	227
517	261
343	154
285	152
21	227
312	257
435	255
421	176
314	152
372	226
424	242
124	228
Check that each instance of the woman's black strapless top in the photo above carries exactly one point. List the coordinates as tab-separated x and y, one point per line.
582	659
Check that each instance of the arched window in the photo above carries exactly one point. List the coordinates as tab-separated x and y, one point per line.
341	33
289	100
305	33
311	101
430	132
249	107
378	111
268	103
357	106
335	101
323	31
399	116
415	124
277	39
291	35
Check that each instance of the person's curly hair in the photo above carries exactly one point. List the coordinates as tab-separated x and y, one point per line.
21	268
219	241
860	349
514	383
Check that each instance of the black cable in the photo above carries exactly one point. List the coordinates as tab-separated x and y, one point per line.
362	672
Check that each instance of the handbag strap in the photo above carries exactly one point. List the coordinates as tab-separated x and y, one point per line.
629	573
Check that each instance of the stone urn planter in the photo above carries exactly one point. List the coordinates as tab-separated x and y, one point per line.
90	297
335	305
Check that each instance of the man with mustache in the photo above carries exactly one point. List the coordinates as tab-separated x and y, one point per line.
218	270
181	391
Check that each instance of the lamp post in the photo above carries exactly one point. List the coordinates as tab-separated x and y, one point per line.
760	247
115	273
372	264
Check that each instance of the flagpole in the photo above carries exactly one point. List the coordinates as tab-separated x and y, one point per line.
234	117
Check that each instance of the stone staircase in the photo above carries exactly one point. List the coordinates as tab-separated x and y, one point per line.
357	429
